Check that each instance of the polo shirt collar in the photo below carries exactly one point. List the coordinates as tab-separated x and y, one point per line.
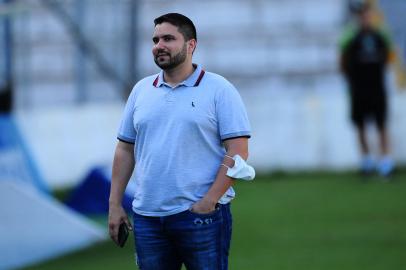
192	81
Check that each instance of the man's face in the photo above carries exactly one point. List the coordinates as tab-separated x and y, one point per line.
366	18
169	49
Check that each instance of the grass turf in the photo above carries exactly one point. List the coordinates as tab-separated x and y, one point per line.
305	221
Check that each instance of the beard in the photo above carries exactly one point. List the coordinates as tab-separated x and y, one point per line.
173	61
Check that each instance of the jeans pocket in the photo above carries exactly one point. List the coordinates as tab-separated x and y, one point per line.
212	213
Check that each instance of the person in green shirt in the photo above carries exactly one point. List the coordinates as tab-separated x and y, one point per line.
365	51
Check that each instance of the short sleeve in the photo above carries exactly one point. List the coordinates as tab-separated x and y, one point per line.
389	46
126	131
346	37
231	114
384	32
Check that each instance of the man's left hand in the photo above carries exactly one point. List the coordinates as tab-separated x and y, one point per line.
203	206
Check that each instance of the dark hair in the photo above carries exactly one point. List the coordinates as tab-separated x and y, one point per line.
359	7
184	24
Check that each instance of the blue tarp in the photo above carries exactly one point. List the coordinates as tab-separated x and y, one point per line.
91	196
16	162
34	227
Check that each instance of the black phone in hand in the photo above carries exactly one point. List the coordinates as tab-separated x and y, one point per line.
122	234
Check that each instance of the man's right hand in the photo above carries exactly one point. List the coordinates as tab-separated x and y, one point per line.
117	215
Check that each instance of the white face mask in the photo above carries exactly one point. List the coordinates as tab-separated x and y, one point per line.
240	170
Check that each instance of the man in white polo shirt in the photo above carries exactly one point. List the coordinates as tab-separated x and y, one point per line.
185	131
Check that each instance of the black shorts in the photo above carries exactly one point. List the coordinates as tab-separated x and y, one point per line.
369	108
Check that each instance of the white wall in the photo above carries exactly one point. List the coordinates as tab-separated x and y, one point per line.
67	142
306	129
292	129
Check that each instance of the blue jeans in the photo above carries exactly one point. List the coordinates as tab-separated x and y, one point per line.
200	241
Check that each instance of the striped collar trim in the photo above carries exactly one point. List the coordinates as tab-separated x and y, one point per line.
192	81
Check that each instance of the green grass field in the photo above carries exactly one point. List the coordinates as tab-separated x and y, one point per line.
310	221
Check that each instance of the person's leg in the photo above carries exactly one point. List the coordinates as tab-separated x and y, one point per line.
202	241
383	141
367	161
386	164
226	233
380	117
359	112
154	250
362	140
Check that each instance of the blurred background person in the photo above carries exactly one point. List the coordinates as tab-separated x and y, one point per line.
365	53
